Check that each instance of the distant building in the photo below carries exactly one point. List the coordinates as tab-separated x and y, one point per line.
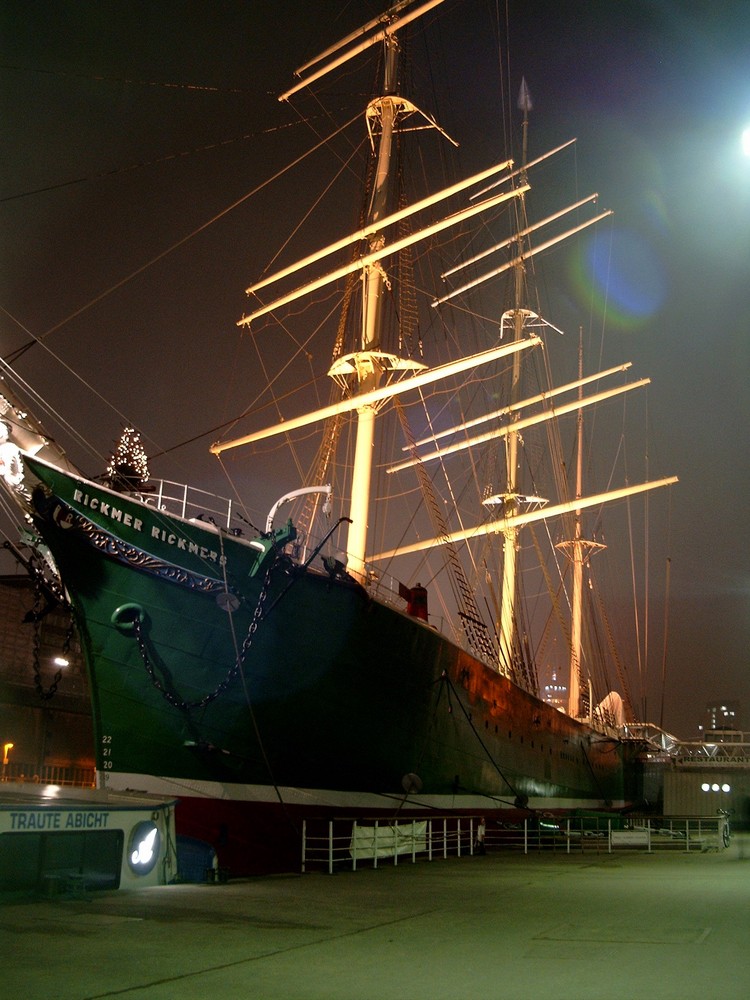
556	694
711	776
722	715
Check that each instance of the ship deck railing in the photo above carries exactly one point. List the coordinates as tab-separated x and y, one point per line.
346	843
189	502
192	503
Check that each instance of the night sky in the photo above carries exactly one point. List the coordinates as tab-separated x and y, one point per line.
129	126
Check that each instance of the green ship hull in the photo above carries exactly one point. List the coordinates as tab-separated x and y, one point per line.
221	669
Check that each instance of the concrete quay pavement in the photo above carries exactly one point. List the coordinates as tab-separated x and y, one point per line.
625	926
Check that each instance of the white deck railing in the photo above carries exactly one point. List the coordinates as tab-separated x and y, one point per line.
189	502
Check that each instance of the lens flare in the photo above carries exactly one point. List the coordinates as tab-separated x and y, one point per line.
620	277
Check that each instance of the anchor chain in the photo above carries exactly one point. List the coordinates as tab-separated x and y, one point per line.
35	616
51	691
136	627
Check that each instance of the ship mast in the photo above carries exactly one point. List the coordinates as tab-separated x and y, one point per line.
579	550
368	371
370	375
510	499
369	361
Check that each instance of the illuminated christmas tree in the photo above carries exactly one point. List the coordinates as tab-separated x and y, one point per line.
128	467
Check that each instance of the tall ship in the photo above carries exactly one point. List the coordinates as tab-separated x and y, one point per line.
370	648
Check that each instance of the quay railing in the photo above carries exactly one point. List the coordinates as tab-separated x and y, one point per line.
49	774
602	834
346	843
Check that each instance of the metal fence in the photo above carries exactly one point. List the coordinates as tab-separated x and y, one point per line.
348	843
189	502
49	774
345	843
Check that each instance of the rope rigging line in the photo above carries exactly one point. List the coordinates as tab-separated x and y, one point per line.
168	157
40	339
98	78
257	617
621	672
477	633
451	688
42	406
174	246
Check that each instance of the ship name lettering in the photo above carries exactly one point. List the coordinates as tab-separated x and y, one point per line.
35	820
123	517
87	820
182	543
114	513
43	819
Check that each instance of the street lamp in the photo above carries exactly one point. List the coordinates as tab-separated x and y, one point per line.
7	747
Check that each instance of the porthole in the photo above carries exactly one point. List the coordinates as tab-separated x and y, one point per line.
144	847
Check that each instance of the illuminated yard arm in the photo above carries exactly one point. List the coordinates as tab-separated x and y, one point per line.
520	425
425	377
369	231
506	410
520	259
383	35
529	517
524	232
359	35
376	255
